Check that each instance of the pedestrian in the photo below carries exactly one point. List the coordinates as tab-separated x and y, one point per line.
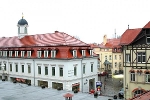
104	86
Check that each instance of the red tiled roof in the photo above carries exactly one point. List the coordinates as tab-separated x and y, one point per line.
49	39
144	96
111	43
147	25
129	35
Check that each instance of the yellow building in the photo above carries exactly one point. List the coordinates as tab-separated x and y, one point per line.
110	55
136	62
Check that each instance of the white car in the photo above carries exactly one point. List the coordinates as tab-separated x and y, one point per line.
121	93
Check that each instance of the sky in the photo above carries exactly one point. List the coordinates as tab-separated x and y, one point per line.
88	20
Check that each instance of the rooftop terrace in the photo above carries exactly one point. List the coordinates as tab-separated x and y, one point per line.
18	91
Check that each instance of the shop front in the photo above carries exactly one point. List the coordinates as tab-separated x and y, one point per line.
76	86
42	83
56	85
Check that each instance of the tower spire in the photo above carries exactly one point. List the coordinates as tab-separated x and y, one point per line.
22	16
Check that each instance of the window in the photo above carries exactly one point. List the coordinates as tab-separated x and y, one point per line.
39	53
10	53
115	57
16	67
61	71
25	30
120	57
132	76
75	71
10	65
4	53
83	52
147	78
16	53
53	53
39	69
141	57
53	71
46	70
115	64
5	67
148	40
1	53
0	67
22	53
46	53
28	54
109	57
22	66
75	53
128	58
91	52
105	57
83	69
29	68
119	64
91	67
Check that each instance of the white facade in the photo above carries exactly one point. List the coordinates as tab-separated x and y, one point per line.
68	77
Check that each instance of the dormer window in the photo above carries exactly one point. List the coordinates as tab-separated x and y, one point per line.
28	54
22	53
53	53
39	53
10	53
83	52
75	53
91	52
16	53
0	53
148	40
4	53
46	54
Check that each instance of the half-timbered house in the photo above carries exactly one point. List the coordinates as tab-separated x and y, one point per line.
136	60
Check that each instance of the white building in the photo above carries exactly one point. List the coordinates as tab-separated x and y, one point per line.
52	59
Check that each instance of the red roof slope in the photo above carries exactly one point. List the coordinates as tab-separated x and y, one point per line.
49	39
129	35
147	25
144	96
111	43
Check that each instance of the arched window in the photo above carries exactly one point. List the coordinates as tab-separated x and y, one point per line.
25	30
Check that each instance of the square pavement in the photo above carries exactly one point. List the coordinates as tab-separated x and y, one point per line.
18	91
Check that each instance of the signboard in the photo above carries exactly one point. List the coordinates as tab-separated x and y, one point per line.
98	84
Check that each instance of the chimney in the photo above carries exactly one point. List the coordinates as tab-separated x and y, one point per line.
128	26
104	39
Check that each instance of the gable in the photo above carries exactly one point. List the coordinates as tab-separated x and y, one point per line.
142	37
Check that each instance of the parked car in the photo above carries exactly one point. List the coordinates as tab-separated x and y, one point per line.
121	93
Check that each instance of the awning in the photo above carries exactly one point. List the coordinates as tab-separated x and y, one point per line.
118	76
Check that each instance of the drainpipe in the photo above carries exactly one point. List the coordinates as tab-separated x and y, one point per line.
81	76
34	71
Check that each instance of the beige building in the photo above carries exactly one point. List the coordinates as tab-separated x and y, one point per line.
136	52
110	55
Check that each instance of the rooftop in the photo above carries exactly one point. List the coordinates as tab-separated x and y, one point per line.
18	91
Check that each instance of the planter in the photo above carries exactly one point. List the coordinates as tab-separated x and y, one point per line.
95	95
14	81
42	86
29	84
58	88
115	96
75	91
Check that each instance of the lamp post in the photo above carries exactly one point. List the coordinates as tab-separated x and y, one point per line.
3	74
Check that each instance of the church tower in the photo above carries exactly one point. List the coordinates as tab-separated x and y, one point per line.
22	27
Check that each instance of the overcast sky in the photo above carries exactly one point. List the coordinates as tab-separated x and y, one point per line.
87	19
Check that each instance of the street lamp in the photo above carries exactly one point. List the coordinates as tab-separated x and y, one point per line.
3	75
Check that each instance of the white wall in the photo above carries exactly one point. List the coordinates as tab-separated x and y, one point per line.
68	65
